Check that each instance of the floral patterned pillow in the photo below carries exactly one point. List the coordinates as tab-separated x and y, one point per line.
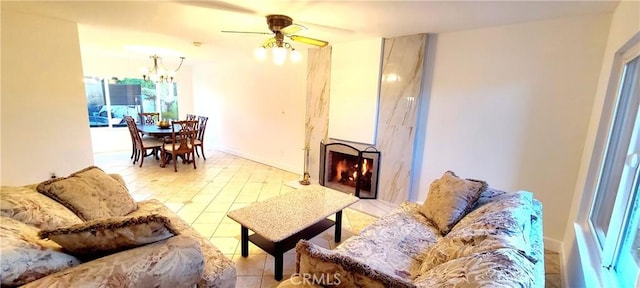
502	223
91	194
26	205
97	238
449	199
25	257
496	268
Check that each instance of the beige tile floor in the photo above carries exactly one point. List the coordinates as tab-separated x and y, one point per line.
203	196
224	182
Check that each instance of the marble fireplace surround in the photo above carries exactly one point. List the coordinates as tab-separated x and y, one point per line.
399	102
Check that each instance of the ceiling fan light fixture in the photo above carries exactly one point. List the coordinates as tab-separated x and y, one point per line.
280	51
260	53
279	55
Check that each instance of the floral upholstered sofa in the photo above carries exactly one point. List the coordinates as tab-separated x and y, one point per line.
464	235
85	230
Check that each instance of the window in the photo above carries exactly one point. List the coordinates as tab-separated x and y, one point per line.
109	101
614	214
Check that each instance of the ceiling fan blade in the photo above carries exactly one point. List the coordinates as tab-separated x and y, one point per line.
292	29
307	40
246	32
269	41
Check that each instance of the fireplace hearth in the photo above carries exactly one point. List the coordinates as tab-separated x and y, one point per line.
350	170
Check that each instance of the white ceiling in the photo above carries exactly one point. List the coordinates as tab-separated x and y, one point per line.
138	29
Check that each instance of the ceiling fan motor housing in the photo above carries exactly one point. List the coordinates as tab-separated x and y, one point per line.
277	22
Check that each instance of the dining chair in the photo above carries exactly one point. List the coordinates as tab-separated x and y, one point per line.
191	117
202	125
183	136
149	118
141	145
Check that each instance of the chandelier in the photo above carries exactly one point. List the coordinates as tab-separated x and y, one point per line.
158	73
279	50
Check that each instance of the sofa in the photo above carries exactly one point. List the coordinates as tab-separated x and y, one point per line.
85	230
492	239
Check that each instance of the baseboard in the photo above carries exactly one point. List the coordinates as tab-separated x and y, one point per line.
553	245
255	158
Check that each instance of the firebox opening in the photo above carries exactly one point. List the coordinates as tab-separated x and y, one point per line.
345	171
350	170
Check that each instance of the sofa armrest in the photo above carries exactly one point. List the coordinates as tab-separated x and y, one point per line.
174	262
329	268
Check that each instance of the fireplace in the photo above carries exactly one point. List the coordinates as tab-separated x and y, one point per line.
350	170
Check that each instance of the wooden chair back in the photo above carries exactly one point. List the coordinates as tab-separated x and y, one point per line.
191	117
202	126
149	118
183	135
133	130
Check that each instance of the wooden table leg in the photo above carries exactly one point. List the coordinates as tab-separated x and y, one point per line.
338	224
279	262
244	241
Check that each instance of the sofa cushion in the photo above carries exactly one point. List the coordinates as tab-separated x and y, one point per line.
331	266
219	271
99	237
26	205
25	257
395	243
502	223
495	268
449	199
91	194
175	262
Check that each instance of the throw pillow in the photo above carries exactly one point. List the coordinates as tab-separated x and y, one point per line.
91	194
449	199
97	238
25	257
28	206
502	223
496	268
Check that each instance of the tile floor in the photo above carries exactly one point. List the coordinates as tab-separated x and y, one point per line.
224	182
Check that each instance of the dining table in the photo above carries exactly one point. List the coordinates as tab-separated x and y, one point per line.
159	132
155	131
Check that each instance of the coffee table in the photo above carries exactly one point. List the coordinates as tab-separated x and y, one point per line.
280	222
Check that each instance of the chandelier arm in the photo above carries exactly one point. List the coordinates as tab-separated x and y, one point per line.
181	60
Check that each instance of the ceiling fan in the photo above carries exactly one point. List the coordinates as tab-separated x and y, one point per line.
281	26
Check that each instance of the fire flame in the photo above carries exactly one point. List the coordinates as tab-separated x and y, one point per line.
341	166
364	167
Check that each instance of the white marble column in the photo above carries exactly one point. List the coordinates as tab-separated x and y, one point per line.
317	119
400	89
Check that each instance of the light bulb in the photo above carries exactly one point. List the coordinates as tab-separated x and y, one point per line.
295	56
279	55
260	53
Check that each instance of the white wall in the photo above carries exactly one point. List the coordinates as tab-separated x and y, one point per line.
256	109
44	118
624	25
117	139
355	82
511	105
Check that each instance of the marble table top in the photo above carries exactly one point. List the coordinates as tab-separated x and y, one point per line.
280	217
